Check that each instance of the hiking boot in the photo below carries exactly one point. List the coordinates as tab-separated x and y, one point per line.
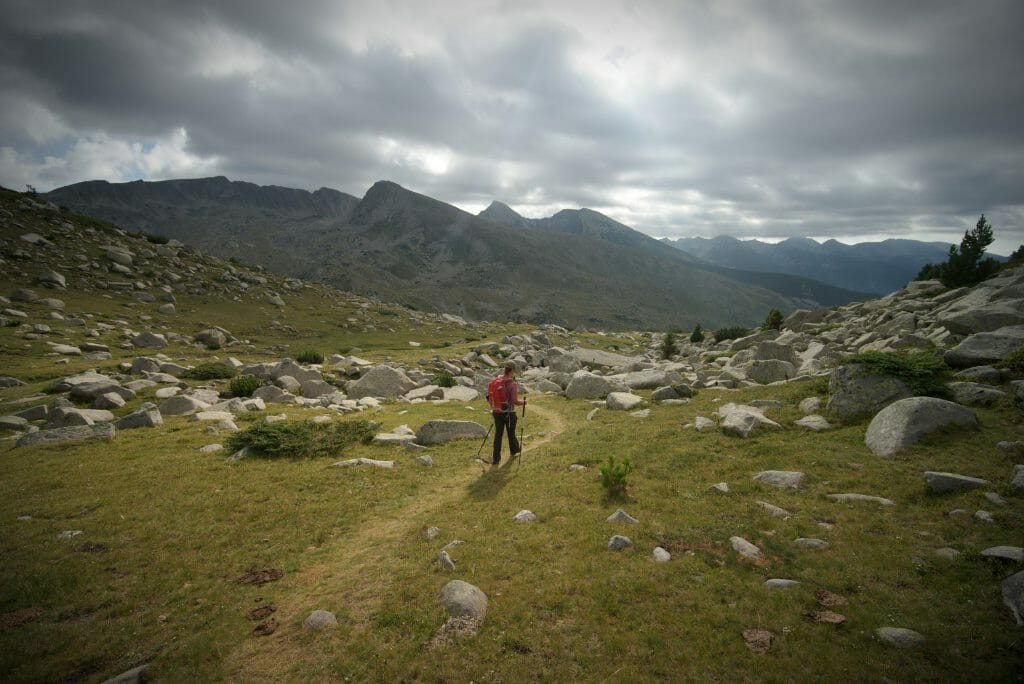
515	455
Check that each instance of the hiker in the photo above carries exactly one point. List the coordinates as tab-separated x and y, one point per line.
503	396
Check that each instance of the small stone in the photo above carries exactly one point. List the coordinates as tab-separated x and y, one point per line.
1013	595
525	516
900	637
780	583
432	532
994	498
773	510
622	516
425	460
984	517
446	562
809	543
781	478
720	487
320	619
462	599
745	548
947	553
942	483
576	467
844	498
211	448
68	534
661	555
618	542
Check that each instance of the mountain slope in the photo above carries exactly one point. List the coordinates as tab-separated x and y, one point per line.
874	267
576	268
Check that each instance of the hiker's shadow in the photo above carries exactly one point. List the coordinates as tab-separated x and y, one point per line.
490	483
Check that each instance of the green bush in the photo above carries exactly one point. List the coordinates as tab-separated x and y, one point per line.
245	385
158	239
731	332
1014	361
773	321
445	380
212	371
301	439
310	356
697	336
613	475
925	373
669	348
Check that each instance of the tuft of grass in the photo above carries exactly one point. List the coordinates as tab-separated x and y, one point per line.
214	370
245	385
925	373
310	356
302	439
1014	361
445	380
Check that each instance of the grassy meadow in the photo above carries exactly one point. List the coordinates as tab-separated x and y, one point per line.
168	531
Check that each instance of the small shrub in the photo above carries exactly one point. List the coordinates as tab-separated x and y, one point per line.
301	439
445	380
669	348
697	336
158	239
245	385
773	321
1014	361
613	475
310	356
925	373
731	332
212	371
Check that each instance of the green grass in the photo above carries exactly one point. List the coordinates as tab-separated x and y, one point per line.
167	530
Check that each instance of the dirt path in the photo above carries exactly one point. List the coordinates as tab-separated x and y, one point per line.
356	568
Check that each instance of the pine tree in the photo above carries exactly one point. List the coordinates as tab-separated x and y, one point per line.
964	265
668	346
773	320
697	336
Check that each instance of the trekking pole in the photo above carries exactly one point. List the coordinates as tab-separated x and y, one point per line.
522	435
485	440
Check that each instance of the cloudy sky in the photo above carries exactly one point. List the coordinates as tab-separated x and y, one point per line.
854	119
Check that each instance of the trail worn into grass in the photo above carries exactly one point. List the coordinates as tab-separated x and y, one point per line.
358	571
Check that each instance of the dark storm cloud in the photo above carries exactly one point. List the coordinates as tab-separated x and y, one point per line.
679	118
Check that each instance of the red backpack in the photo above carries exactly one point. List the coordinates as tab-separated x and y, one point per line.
498	394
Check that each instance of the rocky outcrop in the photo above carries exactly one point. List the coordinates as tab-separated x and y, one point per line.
906	421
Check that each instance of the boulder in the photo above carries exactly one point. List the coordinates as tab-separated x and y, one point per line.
311	389
586	385
149	340
904	422
292	369
598	357
942	483
985	318
272	394
771	370
462	599
900	637
1013	595
148	415
320	620
381	381
439	431
182	406
623	401
813	423
986	347
738	420
617	542
97	388
460	393
648	379
975	394
1017	481
74	433
855	391
13	423
50	278
744	548
211	337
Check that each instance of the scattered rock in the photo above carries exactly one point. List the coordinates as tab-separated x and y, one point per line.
623	401
984	517
1012	553
791	479
844	498
809	543
773	510
904	422
439	431
1013	595
73	433
525	516
618	542
942	483
780	583
900	637
320	619
744	548
365	461
661	555
855	391
445	561
720	487
947	553
738	420
622	516
814	423
462	599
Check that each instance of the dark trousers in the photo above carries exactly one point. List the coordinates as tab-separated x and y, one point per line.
501	422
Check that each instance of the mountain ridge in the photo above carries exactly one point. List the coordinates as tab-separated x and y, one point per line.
578	267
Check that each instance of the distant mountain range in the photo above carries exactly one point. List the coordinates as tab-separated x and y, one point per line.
576	268
875	267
